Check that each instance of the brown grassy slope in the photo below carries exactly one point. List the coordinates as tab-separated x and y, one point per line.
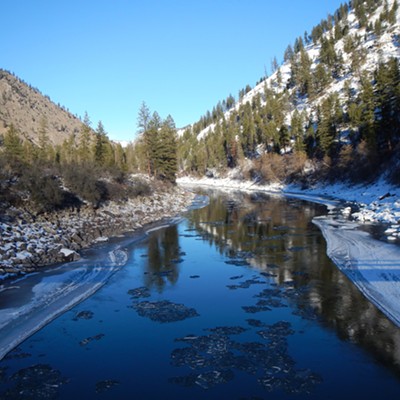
28	110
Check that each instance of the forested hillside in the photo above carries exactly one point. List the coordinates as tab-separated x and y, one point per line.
331	110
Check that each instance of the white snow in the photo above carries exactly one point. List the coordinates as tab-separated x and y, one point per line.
377	49
67	252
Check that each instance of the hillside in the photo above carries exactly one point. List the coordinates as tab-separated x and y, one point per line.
332	106
30	111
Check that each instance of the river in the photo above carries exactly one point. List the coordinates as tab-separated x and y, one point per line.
237	300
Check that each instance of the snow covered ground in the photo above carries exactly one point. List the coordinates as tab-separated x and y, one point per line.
372	265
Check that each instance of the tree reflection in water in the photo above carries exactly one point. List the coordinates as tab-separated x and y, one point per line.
276	236
163	258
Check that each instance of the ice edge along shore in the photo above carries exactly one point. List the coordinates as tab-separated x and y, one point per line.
372	265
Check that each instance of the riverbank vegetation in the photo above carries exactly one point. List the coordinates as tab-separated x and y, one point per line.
329	112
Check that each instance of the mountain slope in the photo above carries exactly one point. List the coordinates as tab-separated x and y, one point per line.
334	99
30	112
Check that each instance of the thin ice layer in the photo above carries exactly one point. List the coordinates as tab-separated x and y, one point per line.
372	265
34	301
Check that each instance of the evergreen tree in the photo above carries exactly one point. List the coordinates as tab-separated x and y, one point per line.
297	131
44	141
13	146
298	45
327	125
166	160
284	139
305	79
361	14
367	125
143	118
84	150
387	78
393	13
151	143
288	55
274	65
248	130
100	145
321	78
327	53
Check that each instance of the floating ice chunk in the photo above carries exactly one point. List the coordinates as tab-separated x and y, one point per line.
346	211
118	257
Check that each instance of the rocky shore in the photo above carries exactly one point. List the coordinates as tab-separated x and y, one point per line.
30	242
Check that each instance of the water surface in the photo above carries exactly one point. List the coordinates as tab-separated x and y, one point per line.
237	301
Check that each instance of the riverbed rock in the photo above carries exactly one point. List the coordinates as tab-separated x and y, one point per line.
69	255
44	236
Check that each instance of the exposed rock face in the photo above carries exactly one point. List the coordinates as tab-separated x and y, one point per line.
27	244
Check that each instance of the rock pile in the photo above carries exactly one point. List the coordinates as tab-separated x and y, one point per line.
30	242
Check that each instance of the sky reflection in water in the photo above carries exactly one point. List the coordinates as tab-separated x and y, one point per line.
237	301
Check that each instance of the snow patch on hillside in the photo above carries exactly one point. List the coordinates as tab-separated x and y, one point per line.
378	49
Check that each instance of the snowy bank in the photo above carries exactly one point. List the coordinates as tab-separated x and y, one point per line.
372	265
377	202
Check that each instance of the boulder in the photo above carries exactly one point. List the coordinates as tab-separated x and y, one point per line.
69	255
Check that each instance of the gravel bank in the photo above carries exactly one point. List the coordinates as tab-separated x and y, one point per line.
30	242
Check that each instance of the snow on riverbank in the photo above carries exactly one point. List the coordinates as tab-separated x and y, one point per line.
372	265
378	202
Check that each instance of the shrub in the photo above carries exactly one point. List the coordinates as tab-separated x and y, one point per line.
45	191
82	180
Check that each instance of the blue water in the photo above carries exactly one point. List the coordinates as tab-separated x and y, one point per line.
322	339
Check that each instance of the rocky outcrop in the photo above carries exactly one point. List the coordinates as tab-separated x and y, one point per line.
28	243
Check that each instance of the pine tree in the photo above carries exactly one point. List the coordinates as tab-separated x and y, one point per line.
321	78
393	13
167	149
367	125
387	77
297	131
143	118
84	150
248	130
100	145
151	143
44	141
327	125
13	145
284	138
305	80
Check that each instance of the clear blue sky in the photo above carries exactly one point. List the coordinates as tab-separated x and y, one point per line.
179	56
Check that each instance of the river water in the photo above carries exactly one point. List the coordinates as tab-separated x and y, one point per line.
237	301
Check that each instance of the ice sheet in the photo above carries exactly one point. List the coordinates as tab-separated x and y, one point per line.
32	302
372	265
